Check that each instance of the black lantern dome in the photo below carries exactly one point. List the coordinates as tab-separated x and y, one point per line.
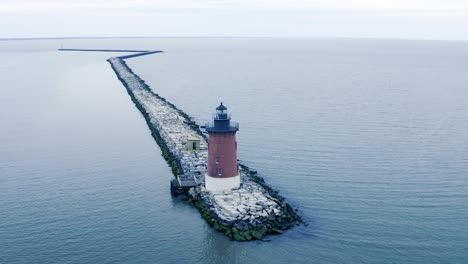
222	121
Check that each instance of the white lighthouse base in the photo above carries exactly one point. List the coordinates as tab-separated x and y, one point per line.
218	185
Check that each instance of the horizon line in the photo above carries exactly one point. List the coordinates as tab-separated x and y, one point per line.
233	36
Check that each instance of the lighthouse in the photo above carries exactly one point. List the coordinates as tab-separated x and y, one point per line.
223	171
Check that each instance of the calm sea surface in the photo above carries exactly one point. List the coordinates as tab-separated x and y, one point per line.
367	138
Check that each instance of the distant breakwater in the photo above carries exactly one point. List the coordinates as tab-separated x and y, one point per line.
137	53
265	211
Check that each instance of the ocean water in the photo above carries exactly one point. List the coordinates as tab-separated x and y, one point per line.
367	138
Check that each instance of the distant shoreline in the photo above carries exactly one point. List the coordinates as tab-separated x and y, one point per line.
464	41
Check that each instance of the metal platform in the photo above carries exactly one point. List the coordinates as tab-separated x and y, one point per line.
183	183
187	181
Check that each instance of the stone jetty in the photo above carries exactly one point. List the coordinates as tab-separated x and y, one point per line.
250	212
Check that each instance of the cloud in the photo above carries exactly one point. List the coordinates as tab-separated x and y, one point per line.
434	19
389	7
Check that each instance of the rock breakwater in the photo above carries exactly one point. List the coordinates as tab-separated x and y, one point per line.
250	212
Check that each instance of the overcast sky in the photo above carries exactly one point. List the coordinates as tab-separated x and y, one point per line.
415	19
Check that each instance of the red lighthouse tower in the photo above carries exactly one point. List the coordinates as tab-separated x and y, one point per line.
223	171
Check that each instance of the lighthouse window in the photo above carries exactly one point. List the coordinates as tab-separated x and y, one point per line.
220	172
217	160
